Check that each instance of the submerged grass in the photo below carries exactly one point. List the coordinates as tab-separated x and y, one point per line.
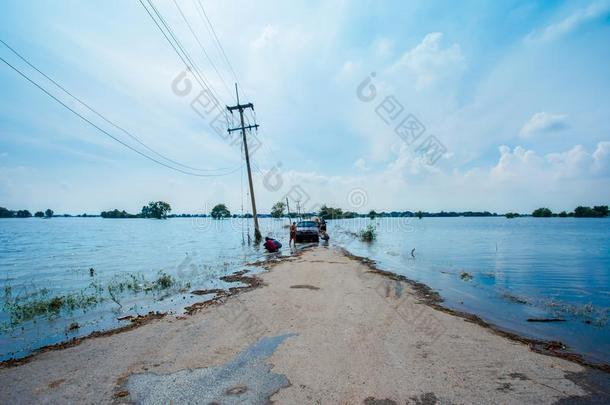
588	313
41	303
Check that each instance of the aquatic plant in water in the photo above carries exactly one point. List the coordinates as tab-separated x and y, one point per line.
368	234
40	303
589	313
164	281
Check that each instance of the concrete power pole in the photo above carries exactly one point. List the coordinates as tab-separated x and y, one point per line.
242	128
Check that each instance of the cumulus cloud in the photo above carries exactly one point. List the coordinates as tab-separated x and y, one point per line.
578	18
515	164
543	122
429	62
601	158
554	179
576	162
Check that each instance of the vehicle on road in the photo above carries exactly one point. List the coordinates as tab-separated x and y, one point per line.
307	231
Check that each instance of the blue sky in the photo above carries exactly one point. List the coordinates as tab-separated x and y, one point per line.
515	91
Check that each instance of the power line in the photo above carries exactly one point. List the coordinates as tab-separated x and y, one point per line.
210	27
190	65
217	42
202	47
103	130
135	138
179	44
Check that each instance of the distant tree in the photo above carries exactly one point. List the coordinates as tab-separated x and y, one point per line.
542	213
6	213
372	214
248	215
511	215
39	214
116	214
476	214
158	210
419	214
583	212
24	214
48	213
277	211
220	211
563	214
330	213
350	215
588	212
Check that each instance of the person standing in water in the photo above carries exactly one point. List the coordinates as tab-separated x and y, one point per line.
293	234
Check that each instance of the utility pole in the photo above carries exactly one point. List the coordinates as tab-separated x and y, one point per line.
288	207
242	128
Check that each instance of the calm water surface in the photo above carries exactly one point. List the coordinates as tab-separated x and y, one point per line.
521	268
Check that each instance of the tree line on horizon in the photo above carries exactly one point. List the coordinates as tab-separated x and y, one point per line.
154	209
598	211
6	213
161	210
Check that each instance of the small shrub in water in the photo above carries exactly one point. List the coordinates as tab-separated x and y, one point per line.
368	234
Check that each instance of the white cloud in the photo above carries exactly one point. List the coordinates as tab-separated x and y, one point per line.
579	17
411	164
313	66
429	62
561	180
360	164
601	158
515	164
578	162
574	163
543	122
269	33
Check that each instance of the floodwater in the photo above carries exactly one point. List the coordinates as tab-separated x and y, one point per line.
506	271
